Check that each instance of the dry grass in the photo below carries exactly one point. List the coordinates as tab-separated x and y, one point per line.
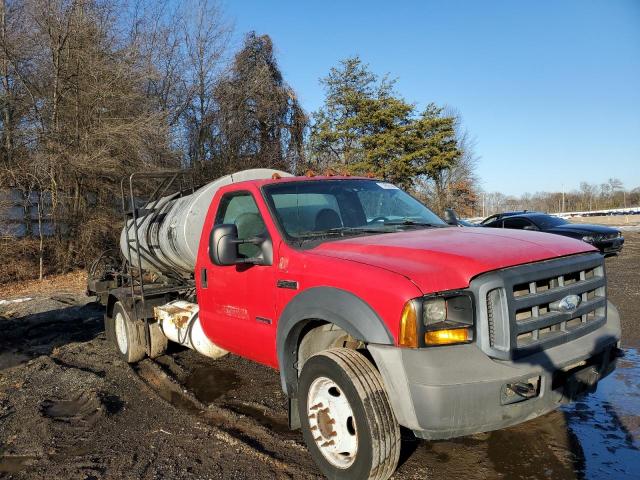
20	261
73	282
611	220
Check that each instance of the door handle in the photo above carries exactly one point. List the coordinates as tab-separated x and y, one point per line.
203	277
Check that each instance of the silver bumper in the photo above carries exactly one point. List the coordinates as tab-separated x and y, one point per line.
447	392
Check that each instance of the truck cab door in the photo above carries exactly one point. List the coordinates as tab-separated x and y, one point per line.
237	304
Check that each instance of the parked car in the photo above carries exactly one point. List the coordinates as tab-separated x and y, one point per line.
606	239
498	216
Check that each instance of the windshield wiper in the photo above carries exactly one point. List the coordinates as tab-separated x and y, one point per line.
412	223
338	231
343	231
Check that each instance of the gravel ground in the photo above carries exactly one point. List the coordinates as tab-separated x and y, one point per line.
623	273
69	408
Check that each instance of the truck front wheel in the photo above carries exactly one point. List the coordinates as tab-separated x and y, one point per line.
346	418
129	336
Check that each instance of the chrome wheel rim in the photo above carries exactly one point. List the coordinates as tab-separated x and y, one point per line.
332	422
121	332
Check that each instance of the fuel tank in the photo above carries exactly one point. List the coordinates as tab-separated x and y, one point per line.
169	234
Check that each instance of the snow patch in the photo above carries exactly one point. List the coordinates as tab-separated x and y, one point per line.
15	300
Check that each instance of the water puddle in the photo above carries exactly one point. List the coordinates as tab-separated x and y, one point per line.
541	448
209	383
607	423
12	359
18	463
178	400
15	463
84	408
166	389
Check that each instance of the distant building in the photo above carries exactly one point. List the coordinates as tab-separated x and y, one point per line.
19	214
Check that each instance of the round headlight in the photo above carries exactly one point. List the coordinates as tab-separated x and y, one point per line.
588	238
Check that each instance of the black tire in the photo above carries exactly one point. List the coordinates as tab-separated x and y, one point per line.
129	336
376	428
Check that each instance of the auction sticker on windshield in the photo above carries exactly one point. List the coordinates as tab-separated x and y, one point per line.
387	186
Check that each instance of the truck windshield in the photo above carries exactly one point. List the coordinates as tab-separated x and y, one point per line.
324	208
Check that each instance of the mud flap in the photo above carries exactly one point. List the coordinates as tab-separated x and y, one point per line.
158	340
109	328
294	416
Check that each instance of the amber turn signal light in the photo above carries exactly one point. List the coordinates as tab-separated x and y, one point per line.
409	326
447	337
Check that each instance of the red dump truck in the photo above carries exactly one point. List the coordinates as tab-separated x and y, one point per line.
374	311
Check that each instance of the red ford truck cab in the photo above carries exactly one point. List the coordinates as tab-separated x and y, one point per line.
377	315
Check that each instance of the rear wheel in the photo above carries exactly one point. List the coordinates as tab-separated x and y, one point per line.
346	418
129	335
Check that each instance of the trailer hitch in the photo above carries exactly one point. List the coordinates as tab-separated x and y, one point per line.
525	390
519	391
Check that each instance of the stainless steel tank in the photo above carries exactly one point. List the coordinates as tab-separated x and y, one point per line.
169	237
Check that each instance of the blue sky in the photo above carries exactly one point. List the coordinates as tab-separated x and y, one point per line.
550	90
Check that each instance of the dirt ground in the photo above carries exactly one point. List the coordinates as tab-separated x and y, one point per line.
69	408
610	220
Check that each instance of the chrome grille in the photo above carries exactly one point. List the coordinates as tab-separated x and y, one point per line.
518	306
535	318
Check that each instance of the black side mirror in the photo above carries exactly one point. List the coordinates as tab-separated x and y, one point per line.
223	247
450	217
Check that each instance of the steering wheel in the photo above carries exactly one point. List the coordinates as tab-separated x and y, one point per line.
378	219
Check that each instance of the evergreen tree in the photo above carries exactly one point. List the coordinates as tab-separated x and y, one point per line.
364	127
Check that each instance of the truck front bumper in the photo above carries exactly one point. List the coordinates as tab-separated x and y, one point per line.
446	392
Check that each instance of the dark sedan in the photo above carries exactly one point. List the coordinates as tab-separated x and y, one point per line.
608	240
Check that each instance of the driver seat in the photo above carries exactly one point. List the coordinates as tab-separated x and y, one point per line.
249	225
326	219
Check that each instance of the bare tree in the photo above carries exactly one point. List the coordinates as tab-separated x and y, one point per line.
206	35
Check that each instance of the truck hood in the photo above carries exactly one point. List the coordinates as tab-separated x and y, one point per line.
448	258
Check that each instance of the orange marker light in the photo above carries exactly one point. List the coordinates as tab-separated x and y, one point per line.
447	337
408	326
